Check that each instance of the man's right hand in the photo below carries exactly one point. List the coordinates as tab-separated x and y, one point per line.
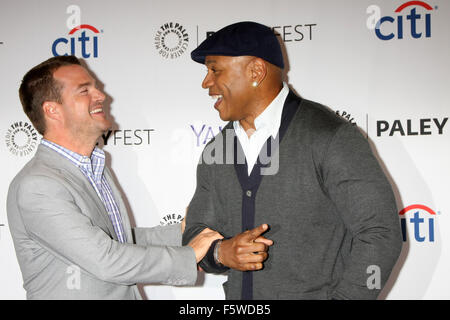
245	251
202	242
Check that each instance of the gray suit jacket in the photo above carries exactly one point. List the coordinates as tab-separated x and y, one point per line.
331	211
66	245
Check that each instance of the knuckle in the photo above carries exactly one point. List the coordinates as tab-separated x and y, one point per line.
262	247
256	266
262	257
239	249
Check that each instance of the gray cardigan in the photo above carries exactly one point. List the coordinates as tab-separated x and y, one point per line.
331	211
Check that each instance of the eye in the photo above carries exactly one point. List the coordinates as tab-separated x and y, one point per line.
212	69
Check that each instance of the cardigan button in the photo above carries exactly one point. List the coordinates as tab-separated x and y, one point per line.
249	193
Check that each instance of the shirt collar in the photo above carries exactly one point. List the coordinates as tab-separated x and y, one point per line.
270	118
97	156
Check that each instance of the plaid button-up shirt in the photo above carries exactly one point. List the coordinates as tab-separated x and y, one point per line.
92	168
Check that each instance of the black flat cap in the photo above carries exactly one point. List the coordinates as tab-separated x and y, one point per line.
241	39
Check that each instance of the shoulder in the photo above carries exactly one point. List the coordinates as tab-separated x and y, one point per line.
317	128
315	124
319	118
37	176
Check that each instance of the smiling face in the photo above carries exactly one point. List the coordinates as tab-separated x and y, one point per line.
229	83
82	111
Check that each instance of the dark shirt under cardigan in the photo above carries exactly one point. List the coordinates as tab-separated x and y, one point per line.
331	211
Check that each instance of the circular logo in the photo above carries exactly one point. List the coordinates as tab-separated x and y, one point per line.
171	40
347	116
21	138
171	219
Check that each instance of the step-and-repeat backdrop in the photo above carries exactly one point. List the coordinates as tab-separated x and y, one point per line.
384	65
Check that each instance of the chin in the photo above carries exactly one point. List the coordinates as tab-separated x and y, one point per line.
106	125
224	117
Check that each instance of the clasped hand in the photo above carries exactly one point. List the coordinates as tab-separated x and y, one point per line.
246	251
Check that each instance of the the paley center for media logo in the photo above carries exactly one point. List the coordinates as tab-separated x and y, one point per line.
171	40
410	20
21	138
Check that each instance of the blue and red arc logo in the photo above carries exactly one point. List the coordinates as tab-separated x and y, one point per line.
386	29
422	222
84	26
84	45
416	206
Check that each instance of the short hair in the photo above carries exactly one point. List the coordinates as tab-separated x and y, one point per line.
38	86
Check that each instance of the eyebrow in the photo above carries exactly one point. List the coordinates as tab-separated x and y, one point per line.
88	83
209	61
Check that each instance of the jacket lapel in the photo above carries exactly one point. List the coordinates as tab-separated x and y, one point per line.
76	178
120	203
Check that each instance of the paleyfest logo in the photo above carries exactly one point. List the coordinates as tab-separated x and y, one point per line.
412	19
21	138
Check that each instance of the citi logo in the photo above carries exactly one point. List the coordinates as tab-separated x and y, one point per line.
419	17
421	218
82	40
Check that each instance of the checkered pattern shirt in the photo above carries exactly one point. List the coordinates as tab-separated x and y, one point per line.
92	168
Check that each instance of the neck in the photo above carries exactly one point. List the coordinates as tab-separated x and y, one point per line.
263	99
80	146
248	125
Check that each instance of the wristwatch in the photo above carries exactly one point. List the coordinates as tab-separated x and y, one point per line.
216	252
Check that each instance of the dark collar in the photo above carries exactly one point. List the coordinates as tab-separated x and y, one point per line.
290	107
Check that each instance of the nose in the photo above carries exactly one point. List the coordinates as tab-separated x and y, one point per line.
208	81
99	95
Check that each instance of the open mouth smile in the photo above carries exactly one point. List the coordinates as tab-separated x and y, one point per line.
218	98
97	110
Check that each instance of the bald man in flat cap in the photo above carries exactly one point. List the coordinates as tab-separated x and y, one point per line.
299	175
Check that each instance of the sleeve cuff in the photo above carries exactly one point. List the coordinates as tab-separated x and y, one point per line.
184	269
211	260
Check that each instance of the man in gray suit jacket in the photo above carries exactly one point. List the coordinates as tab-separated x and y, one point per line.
296	166
70	227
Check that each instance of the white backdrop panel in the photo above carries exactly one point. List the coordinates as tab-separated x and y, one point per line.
394	90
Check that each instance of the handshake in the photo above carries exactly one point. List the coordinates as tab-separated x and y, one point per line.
245	252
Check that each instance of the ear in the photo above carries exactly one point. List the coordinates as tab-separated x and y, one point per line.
52	110
258	69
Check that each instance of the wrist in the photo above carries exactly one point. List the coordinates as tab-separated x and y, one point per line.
210	259
217	253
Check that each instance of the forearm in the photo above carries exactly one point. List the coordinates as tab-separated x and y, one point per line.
372	256
160	235
56	224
